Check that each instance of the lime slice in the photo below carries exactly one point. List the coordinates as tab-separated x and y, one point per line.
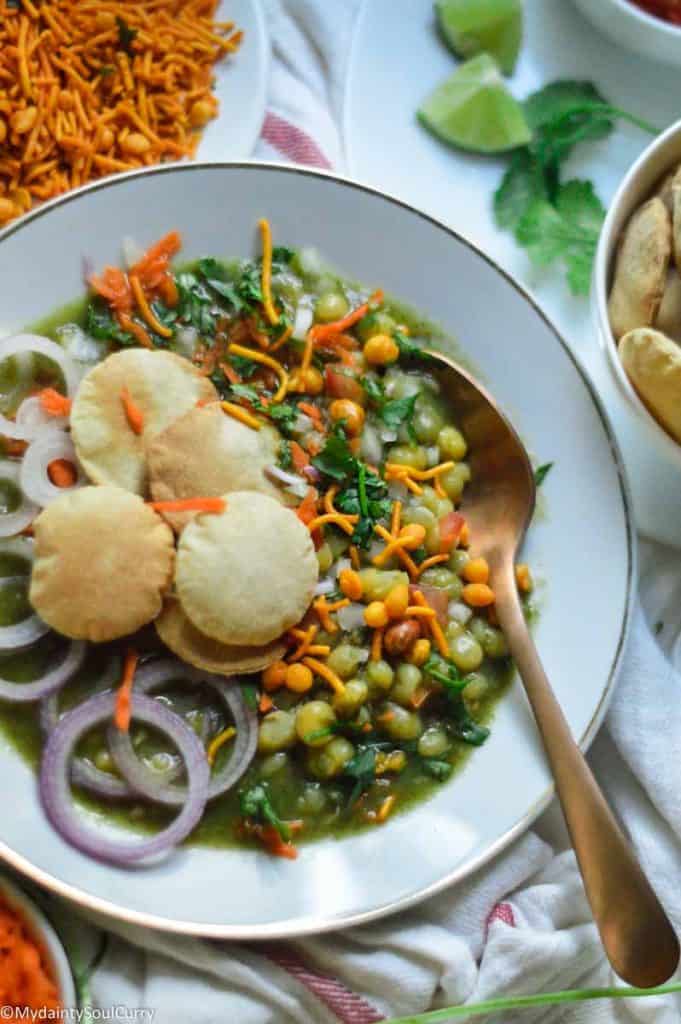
470	27
473	109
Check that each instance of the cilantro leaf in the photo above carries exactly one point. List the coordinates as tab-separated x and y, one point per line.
335	459
250	695
459	722
440	770
244	366
126	35
410	349
255	803
247	392
195	305
283	414
281	257
541	472
445	672
397	411
522	183
559	98
569	231
362	770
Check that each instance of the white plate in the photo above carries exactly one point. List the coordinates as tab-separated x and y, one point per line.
386	84
583	544
240	85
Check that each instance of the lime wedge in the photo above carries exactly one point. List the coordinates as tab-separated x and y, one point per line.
470	27
474	110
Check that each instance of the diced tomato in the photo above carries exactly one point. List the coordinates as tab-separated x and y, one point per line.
436	598
342	385
451	526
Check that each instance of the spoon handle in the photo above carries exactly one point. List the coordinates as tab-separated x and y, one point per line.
636	933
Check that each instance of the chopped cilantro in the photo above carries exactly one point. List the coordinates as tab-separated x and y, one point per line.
126	35
283	414
250	695
196	306
541	472
281	257
445	672
284	456
244	366
362	770
101	325
459	722
393	412
440	770
247	392
256	805
410	349
335	459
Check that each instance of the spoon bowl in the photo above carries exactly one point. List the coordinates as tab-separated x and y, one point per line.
498	505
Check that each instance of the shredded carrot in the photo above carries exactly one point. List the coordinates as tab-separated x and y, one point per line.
266	280
275	844
25	979
189	505
307	510
62	473
53	403
230	373
377	644
152	268
90	88
124	692
321	332
299	456
218	742
265	704
113	285
238	412
385	808
133	413
314	413
137	331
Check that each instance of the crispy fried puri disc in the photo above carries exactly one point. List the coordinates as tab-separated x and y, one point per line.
640	268
206	453
247	574
103	561
653	364
194	647
162	385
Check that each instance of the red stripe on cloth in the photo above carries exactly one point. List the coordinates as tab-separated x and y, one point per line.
348	1006
502	912
292	142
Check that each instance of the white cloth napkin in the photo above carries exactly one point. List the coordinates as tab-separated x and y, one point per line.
522	924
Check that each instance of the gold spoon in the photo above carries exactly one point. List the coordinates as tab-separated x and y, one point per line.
637	936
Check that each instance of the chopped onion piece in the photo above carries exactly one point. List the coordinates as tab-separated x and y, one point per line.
397	491
185	341
351	616
301	424
388	435
371	448
80	346
459	612
433	455
22	343
324	587
33	475
19	519
303	321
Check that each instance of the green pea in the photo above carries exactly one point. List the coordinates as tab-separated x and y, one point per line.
427	421
458	559
313	717
407	681
277	732
324	557
330	306
409	455
453	629
494	642
330	760
375	323
444	579
378	583
380	674
311	801
403	724
466	652
476	627
104	761
455	479
272	764
477	686
452	444
345	659
348	703
434	742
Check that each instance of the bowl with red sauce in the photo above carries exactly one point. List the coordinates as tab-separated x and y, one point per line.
35	975
650	28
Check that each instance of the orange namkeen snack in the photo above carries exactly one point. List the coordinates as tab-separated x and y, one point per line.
24	981
92	87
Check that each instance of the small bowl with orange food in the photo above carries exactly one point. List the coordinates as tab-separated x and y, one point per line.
34	969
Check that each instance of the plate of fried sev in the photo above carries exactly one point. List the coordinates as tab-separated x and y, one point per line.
90	88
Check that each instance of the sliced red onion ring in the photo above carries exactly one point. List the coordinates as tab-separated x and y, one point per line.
33	475
32	417
21	634
43	346
83	773
55	678
14	522
149	785
55	788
